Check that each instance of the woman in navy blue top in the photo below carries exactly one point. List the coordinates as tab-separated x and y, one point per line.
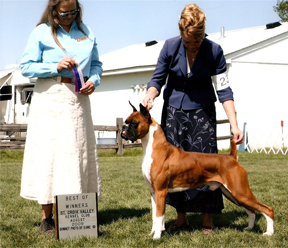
190	64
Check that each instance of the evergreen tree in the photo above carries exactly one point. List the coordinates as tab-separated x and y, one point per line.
281	8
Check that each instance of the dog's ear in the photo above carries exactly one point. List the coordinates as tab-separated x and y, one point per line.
134	109
144	111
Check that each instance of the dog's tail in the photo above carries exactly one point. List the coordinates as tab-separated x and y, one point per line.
233	149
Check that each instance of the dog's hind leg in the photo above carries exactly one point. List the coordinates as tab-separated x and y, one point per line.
252	217
250	213
250	202
239	188
270	222
270	226
251	205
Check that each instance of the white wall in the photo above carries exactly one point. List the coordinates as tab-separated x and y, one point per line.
261	100
259	81
110	101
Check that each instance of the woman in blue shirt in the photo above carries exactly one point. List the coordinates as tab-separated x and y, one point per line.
60	153
192	62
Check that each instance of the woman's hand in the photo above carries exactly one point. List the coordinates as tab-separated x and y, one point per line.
238	135
88	89
148	100
230	111
66	63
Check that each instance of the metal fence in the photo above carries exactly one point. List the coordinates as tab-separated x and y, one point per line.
268	140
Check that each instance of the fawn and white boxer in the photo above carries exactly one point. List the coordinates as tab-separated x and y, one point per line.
167	168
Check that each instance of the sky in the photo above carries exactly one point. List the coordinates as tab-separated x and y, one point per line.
117	24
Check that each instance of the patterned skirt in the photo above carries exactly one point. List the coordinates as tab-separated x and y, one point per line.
195	131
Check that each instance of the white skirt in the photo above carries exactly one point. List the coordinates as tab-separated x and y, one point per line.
60	153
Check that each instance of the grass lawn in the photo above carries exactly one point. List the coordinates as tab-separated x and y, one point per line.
125	209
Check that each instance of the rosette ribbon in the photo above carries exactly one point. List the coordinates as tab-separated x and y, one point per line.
78	77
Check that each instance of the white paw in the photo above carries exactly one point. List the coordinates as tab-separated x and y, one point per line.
157	236
267	234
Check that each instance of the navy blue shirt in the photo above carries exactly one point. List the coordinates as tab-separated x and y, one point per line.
196	89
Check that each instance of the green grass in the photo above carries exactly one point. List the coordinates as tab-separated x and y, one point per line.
125	209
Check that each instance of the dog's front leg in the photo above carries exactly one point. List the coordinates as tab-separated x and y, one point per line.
154	218
153	202
159	223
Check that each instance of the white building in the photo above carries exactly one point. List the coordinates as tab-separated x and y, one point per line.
257	60
15	95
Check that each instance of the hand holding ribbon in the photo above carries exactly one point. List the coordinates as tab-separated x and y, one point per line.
78	77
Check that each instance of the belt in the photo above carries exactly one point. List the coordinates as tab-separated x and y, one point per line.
67	80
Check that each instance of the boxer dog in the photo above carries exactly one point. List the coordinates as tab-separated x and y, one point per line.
167	168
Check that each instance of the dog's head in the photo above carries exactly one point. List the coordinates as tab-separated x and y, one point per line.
137	124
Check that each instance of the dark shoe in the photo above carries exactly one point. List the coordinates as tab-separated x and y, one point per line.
47	225
174	227
206	230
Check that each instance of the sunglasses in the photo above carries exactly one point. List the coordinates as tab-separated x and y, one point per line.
65	14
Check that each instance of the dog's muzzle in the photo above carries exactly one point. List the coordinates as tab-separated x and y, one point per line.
129	133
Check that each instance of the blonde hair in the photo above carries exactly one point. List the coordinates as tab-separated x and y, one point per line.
50	16
192	22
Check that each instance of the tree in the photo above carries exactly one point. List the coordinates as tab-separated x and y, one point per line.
281	8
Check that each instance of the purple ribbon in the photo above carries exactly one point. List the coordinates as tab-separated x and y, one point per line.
78	77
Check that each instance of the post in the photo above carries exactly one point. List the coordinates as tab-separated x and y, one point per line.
119	124
282	126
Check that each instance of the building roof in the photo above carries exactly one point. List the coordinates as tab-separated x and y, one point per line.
139	57
12	75
5	72
133	58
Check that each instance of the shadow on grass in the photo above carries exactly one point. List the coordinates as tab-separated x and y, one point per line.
111	215
225	220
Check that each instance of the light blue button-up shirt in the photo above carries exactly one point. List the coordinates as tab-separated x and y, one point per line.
42	54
